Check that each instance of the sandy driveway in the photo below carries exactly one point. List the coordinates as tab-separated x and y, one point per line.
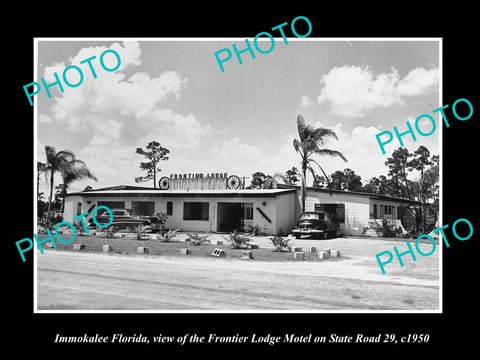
92	281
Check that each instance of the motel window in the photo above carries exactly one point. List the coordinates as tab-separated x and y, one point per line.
398	212
195	211
79	208
388	210
143	207
169	207
375	211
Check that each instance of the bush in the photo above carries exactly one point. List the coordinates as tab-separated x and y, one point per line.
78	225
390	230
238	241
197	240
111	230
55	219
281	244
167	236
387	229
256	230
160	217
140	231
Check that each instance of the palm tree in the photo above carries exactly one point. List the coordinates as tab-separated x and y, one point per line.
76	170
311	142
70	168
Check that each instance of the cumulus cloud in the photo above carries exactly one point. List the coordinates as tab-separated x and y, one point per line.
106	105
358	146
418	81
352	91
42	118
120	110
239	156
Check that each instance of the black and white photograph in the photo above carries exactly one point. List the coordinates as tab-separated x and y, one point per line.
268	186
224	181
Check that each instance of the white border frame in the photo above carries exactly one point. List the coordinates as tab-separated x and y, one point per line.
440	215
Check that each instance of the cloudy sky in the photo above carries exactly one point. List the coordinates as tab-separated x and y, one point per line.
239	121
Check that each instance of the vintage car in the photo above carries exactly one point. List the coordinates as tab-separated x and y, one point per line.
319	224
121	216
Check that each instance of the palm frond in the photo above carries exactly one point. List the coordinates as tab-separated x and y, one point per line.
331	153
326	177
280	176
312	172
297	144
41	167
50	154
320	135
302	128
312	138
76	170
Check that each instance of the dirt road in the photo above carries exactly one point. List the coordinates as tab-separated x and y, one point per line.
93	281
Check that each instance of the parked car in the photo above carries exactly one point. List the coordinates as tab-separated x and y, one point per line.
121	216
318	224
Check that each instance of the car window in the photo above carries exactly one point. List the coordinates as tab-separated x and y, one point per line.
309	216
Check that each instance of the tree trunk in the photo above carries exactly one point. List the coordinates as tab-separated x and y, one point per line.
422	191
64	193
303	189
154	175
50	199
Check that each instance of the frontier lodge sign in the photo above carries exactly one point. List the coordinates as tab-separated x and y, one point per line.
200	181
198	175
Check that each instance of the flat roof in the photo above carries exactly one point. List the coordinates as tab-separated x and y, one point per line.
359	193
192	193
126	190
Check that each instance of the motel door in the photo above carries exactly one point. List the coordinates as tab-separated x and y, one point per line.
230	216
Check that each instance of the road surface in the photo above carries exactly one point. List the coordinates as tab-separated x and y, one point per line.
96	281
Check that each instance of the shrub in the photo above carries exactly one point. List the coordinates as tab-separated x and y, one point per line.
110	231
77	224
238	241
387	229
281	244
140	231
197	240
255	230
160	218
55	219
390	230
167	236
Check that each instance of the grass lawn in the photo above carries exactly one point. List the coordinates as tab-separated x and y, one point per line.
125	245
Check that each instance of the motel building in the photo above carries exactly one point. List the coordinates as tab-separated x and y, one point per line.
219	203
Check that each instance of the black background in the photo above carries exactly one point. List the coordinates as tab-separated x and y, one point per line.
454	329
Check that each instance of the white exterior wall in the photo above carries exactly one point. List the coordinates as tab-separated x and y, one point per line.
280	209
286	213
175	221
384	203
356	209
70	210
